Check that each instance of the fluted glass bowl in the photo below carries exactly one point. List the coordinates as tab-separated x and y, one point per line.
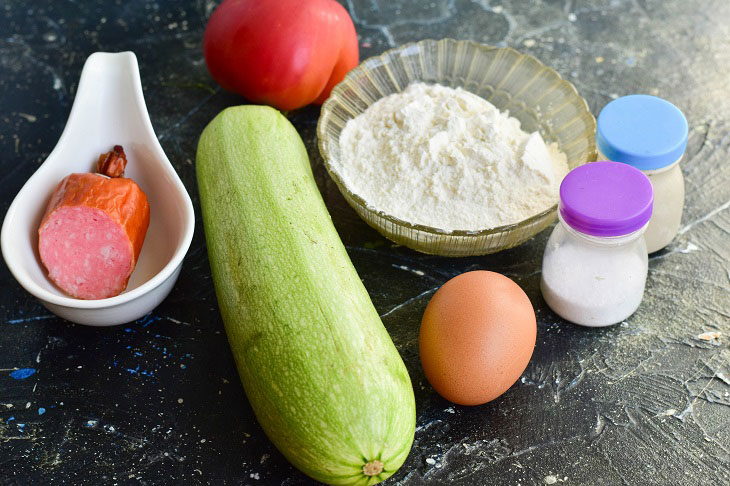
532	92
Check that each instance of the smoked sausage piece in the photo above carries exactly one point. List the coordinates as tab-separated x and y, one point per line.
92	231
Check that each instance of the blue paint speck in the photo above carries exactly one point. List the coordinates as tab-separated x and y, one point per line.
137	353
128	329
135	371
10	419
183	366
149	320
21	427
22	373
41	411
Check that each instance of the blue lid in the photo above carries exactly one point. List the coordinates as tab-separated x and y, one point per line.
643	131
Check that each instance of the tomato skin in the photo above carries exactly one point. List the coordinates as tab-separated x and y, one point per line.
284	53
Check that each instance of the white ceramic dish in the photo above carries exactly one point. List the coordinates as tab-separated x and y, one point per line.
109	110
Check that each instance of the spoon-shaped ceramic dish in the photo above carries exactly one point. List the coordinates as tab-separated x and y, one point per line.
109	110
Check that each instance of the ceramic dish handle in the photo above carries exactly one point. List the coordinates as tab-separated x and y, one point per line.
106	76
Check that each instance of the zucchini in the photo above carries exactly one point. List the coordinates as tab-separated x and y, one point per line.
323	377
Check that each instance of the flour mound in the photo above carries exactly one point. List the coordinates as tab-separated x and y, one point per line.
446	158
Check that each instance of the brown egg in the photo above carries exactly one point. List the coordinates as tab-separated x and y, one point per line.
477	336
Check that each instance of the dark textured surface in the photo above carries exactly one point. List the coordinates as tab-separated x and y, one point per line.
157	401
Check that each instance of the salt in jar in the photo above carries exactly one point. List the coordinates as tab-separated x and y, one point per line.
595	262
649	133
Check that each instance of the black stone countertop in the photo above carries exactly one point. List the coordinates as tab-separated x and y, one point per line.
158	400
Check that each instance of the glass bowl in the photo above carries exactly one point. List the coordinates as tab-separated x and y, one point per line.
532	92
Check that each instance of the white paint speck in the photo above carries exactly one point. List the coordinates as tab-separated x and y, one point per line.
179	400
529	42
689	248
29	118
550	479
498	9
408	269
254	476
431	461
572	17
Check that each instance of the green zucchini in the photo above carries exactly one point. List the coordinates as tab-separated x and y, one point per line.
323	377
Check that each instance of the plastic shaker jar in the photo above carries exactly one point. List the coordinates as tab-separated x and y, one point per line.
650	134
595	262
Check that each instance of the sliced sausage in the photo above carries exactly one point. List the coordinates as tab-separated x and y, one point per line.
92	232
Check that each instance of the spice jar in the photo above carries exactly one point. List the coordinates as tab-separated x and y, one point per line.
649	133
595	262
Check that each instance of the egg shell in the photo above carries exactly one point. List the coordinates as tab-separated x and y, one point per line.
477	336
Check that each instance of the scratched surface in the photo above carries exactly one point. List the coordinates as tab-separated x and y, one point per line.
158	400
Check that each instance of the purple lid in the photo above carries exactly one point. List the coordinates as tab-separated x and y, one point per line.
606	199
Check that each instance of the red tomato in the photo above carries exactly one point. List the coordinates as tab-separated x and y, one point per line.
284	53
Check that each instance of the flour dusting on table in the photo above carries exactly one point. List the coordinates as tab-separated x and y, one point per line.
447	158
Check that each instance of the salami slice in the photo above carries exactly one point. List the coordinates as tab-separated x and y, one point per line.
92	231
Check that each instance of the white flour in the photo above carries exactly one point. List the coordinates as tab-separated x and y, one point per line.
447	158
